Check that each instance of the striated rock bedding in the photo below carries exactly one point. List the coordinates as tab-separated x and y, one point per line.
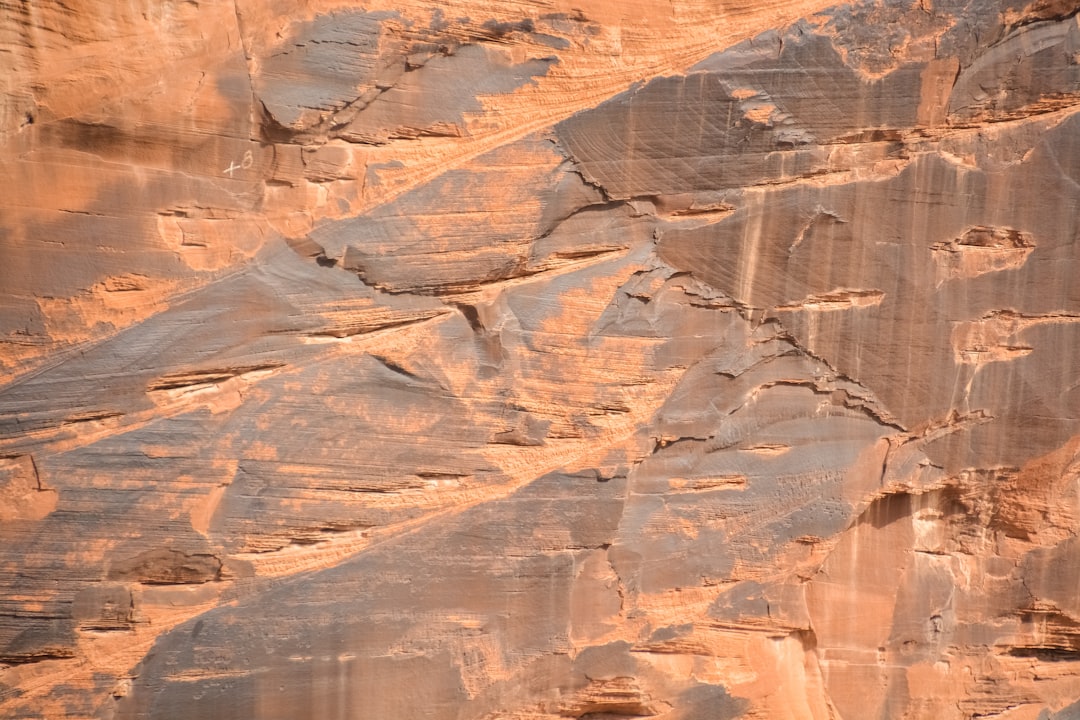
528	360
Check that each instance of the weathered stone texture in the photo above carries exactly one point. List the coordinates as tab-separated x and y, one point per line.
526	361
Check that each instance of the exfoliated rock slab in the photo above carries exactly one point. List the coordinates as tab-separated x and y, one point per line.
331	62
517	212
884	293
889	255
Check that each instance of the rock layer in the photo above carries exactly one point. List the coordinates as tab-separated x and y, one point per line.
521	361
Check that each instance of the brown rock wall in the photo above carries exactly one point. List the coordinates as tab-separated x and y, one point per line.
526	361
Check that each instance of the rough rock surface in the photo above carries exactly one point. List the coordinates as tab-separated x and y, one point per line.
526	360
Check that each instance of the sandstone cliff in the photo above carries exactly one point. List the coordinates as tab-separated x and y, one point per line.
535	359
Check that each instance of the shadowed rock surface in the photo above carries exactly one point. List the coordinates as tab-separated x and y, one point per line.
522	361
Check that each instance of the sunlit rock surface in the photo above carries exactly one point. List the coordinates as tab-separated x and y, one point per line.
523	360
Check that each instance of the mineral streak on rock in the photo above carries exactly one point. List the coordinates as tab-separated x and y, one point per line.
527	361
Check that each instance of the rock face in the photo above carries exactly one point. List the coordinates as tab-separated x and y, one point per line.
526	361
